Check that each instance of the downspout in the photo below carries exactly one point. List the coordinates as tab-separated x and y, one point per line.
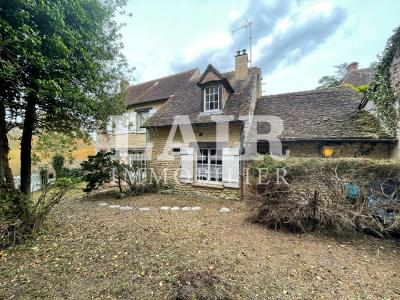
241	152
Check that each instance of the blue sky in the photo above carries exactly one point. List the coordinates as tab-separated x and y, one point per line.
294	42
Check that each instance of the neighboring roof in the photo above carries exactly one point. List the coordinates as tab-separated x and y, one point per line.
187	101
158	89
320	114
357	77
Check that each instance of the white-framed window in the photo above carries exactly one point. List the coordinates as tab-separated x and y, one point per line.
209	165
211	98
143	116
138	160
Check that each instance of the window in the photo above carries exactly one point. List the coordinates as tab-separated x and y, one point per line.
211	98
263	148
176	150
143	116
209	165
138	160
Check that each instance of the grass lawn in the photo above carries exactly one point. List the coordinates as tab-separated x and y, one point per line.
93	251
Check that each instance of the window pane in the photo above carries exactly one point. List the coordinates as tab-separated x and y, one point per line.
202	164
211	98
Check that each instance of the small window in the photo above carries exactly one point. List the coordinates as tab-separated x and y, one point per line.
211	98
176	150
143	116
263	148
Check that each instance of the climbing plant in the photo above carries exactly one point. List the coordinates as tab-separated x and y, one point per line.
380	91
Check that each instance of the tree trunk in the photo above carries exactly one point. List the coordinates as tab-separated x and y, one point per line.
3	148
6	176
26	145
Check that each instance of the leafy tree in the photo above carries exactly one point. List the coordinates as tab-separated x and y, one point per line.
333	80
362	89
61	66
50	144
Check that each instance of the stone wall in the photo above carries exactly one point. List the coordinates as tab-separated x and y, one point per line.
395	74
367	150
170	169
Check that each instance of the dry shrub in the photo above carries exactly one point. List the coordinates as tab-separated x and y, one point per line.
21	216
317	195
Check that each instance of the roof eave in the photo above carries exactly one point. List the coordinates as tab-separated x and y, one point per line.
148	101
341	140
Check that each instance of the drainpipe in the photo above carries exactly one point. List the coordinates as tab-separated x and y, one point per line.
241	150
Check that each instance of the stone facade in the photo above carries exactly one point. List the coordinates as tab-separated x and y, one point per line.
170	169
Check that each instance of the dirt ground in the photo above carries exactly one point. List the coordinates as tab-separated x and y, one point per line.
93	251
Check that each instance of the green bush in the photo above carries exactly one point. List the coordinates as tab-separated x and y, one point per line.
100	169
97	171
58	164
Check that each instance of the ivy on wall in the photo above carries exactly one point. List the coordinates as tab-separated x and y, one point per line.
381	92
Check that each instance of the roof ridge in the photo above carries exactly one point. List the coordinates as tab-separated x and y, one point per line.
362	69
165	77
315	91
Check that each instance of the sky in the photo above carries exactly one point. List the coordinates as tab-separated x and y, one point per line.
293	42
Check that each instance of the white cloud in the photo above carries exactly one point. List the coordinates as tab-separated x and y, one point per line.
215	41
283	33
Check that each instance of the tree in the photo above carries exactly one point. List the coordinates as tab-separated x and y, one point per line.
64	60
51	144
333	80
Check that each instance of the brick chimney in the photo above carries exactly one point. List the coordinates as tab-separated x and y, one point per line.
352	67
241	62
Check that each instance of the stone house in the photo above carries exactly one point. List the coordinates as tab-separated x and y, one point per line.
197	131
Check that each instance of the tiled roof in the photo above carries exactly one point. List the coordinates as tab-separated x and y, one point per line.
357	77
320	114
187	101
158	89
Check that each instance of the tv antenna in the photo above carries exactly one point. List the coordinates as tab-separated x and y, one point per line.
247	25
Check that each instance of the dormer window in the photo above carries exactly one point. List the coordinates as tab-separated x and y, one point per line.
211	98
215	91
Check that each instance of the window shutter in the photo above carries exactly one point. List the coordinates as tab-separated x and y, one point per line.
132	121
186	175
202	100
124	123
220	97
230	167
